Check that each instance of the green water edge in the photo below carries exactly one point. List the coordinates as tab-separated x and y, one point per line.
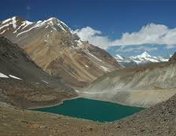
90	109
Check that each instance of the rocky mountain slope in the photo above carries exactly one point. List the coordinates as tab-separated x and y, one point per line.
14	61
141	59
158	120
23	83
54	47
141	86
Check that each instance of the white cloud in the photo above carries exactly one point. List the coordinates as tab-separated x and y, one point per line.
93	36
149	34
136	49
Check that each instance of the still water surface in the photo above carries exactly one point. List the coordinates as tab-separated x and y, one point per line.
92	110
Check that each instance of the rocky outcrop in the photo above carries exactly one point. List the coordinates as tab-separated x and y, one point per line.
54	47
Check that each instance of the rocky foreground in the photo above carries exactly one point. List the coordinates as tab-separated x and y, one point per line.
156	121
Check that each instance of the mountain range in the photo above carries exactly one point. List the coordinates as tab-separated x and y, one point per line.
56	50
141	59
43	63
54	47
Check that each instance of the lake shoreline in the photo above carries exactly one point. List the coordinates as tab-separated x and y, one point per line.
90	109
51	105
66	99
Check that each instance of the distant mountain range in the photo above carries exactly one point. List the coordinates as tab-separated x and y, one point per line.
144	85
141	59
54	47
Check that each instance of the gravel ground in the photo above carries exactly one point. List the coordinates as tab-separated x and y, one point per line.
159	120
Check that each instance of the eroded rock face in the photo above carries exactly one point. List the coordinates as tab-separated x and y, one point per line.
173	58
54	47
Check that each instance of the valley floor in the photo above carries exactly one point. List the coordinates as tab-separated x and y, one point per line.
156	121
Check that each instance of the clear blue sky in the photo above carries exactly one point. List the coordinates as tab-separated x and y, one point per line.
112	17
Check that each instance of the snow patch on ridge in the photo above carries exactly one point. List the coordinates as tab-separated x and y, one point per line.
3	75
45	81
20	29
3	31
12	76
5	21
105	68
52	22
86	66
25	31
14	22
6	25
93	56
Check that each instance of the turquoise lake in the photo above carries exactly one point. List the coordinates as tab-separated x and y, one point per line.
92	110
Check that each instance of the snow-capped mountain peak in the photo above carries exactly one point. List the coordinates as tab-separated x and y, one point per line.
144	55
14	24
55	22
14	21
52	46
20	26
143	58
